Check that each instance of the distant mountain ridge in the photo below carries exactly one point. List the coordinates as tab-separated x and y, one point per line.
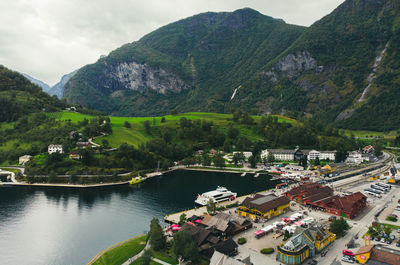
45	87
57	89
243	59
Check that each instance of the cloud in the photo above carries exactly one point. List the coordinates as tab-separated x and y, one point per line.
49	38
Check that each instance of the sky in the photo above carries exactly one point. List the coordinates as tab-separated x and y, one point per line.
49	38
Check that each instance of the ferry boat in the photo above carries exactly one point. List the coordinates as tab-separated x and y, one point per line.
219	195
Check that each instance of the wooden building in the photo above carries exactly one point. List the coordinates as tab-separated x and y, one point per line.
262	207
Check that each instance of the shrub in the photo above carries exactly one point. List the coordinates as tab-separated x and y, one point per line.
242	241
267	250
391	218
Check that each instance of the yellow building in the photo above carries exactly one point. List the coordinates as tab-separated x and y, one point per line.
304	244
263	206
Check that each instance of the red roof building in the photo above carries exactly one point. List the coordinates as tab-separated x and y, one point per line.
321	197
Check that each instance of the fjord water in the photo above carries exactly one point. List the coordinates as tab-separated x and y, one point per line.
57	226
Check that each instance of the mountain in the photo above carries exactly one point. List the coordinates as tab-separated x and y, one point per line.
18	96
45	87
58	89
343	69
192	64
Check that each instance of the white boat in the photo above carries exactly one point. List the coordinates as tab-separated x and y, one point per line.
219	195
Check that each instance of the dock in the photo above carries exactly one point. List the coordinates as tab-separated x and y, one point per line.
199	211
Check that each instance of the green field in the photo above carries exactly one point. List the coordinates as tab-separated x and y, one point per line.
123	252
366	134
136	135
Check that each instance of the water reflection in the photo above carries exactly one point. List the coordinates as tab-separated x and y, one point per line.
69	226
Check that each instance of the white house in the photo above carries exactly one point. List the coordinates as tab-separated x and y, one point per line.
246	155
354	158
24	159
55	148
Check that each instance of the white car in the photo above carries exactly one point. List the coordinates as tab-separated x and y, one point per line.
346	259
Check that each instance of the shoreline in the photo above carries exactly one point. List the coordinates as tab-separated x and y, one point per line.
61	185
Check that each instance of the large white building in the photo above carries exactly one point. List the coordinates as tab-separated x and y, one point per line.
55	148
296	154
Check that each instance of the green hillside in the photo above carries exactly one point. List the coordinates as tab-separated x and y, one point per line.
136	134
197	63
211	53
24	126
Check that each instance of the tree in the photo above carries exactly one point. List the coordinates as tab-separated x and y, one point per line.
162	119
182	218
127	124
253	161
219	161
339	227
146	257
387	230
52	177
211	206
146	125
238	157
184	246
233	132
227	146
270	157
104	142
156	235
205	159
316	162
378	148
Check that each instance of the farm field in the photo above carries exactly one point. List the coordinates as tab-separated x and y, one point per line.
136	135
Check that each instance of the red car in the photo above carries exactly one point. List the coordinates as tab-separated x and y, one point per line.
347	252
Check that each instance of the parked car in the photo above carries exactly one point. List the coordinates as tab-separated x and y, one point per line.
398	243
383	240
346	259
398	231
313	262
392	237
347	252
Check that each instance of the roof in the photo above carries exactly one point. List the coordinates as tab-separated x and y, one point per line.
222	221
199	234
266	205
315	231
220	259
55	146
226	247
386	255
365	249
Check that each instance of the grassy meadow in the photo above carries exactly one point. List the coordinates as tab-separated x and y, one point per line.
136	135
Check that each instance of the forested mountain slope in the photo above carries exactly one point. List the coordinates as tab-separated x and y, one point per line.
342	69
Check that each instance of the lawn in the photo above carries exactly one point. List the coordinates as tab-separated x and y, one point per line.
122	253
164	257
139	262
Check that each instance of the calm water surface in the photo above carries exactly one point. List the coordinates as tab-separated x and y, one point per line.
62	226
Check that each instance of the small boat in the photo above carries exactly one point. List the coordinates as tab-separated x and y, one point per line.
136	180
243	174
219	195
256	175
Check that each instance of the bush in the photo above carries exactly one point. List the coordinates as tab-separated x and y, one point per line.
232	205
391	218
267	250
242	241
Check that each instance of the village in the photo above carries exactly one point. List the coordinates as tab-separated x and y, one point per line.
310	218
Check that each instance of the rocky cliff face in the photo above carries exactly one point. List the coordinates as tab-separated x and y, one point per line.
292	65
139	77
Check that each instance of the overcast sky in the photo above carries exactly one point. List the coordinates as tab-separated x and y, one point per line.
49	38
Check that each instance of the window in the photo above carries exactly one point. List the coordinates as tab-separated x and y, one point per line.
290	260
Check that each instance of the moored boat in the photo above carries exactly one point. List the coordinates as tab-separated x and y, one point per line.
219	195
